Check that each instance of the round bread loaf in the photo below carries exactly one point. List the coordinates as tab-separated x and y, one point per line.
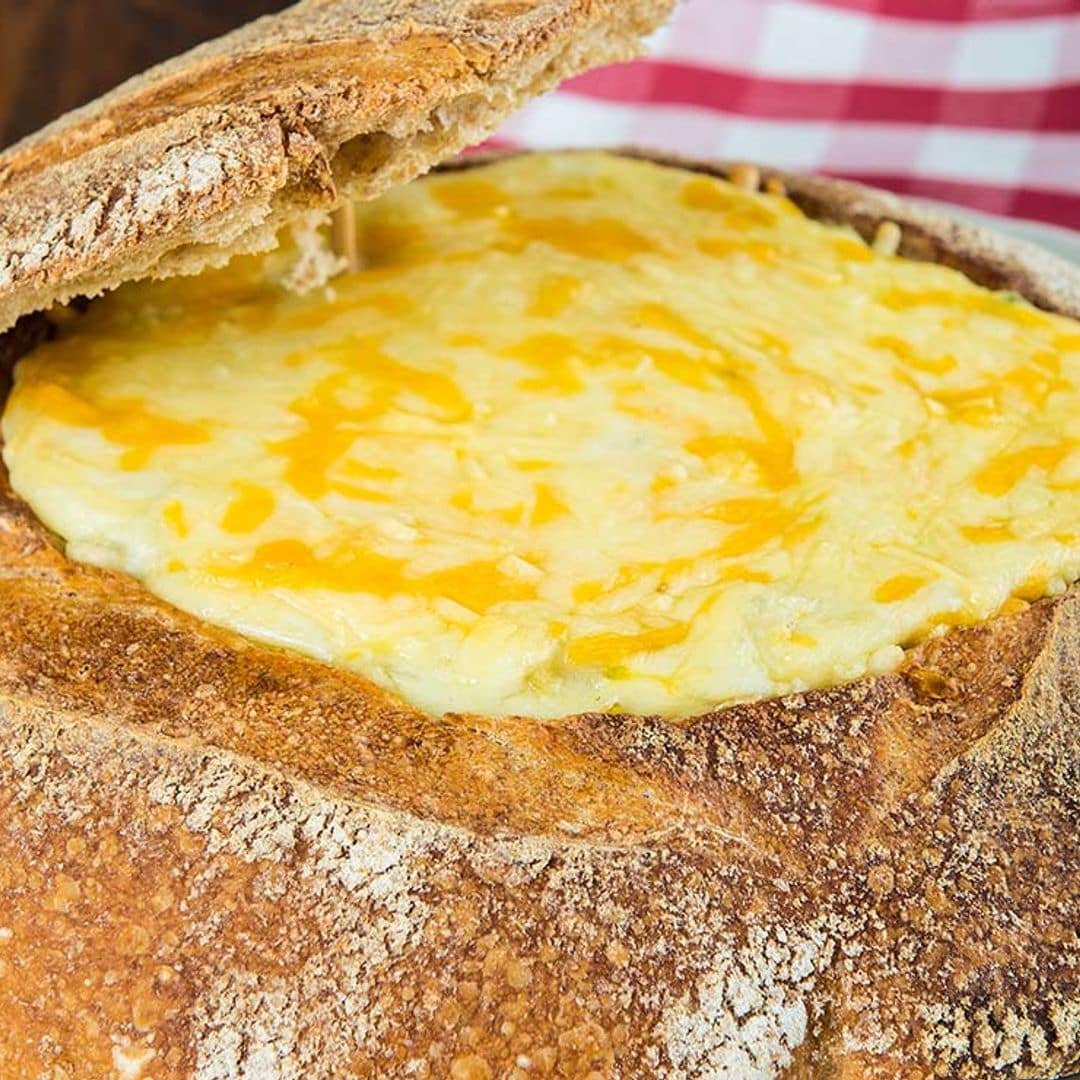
219	856
221	860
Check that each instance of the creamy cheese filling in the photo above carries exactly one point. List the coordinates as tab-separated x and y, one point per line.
585	433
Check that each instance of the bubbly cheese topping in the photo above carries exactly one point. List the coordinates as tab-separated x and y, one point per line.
585	433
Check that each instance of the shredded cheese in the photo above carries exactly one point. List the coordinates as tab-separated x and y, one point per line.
583	433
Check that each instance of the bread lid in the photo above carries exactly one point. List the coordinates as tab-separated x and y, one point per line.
209	154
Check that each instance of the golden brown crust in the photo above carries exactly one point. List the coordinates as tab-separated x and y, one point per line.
209	154
219	860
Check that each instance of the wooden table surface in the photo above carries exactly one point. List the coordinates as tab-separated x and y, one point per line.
56	54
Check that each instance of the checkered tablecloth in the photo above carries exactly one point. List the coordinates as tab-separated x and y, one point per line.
972	101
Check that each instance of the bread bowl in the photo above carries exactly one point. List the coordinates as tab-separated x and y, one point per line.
223	859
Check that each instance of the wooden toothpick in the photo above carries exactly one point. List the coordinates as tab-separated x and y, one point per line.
343	236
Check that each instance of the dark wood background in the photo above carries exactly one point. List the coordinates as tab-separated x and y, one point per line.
56	54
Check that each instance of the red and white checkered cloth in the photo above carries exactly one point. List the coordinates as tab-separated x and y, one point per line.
971	101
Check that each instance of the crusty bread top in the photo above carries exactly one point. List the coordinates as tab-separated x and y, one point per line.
209	154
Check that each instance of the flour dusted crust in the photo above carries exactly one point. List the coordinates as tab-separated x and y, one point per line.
219	860
211	153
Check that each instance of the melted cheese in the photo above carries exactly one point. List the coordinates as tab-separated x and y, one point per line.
586	433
